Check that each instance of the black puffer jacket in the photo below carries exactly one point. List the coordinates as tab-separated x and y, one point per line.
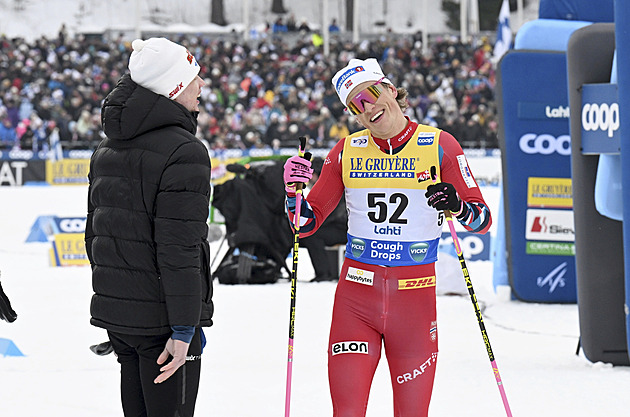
146	231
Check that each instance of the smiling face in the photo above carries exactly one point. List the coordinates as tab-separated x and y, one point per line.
188	97
383	118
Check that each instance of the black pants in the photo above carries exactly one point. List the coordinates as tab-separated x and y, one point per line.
140	397
316	245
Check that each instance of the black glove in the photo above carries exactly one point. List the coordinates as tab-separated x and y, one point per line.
102	349
6	312
443	196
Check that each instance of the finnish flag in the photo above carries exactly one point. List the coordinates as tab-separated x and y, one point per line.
504	33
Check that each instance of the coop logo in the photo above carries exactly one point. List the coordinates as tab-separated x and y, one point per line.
554	279
425	139
358	247
416	283
555	225
418	251
347	75
601	117
359	142
72	225
474	247
545	144
349	347
360	276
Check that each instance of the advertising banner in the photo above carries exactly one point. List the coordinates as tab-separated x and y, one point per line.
67	172
19	172
66	236
600	119
536	152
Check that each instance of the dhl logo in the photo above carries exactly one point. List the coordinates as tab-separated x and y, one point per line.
415	283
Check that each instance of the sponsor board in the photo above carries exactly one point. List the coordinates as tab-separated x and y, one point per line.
67	172
68	249
545	144
16	173
536	156
555	225
550	248
475	247
549	192
542	111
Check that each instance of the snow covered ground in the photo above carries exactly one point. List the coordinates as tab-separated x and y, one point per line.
244	365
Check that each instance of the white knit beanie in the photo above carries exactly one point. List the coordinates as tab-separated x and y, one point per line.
162	66
356	72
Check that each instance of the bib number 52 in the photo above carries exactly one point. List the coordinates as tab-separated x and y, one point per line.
378	201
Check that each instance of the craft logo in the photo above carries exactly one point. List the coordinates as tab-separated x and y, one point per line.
358	247
418	370
418	251
415	283
360	276
349	347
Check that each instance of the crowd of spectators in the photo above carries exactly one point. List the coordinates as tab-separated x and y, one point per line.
261	93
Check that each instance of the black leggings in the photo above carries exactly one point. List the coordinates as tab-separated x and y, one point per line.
140	397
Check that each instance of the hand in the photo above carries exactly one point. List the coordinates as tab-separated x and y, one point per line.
443	196
178	350
6	312
296	170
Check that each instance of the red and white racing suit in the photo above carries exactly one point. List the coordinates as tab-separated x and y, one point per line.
386	290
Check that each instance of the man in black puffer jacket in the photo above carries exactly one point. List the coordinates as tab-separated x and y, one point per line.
146	230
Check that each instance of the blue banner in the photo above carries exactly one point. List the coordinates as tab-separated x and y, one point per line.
600	119
537	176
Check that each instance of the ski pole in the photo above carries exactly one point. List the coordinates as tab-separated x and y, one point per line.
296	246
473	298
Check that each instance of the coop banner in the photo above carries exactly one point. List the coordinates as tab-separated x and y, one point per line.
536	150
